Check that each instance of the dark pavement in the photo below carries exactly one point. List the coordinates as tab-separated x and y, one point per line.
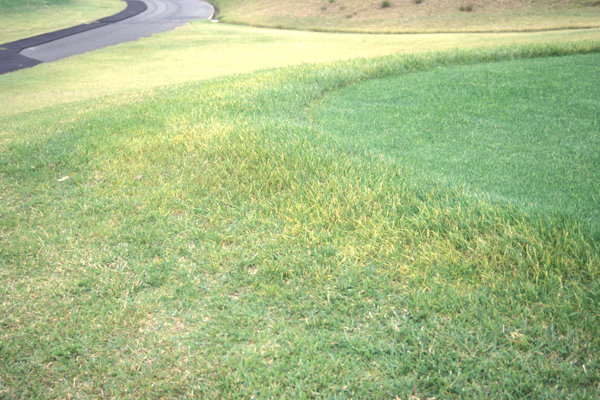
139	19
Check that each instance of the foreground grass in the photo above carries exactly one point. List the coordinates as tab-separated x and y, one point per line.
211	241
203	50
413	15
24	18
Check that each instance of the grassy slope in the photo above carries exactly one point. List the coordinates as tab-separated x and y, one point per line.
410	16
20	19
206	50
212	241
521	132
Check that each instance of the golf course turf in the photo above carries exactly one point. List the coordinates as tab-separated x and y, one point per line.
20	19
521	131
365	228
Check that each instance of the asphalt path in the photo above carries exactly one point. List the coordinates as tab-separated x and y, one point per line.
141	18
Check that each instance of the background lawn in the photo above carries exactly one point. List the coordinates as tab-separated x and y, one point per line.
204	50
24	18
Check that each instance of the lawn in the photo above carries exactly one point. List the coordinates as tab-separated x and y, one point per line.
222	239
522	132
413	15
24	18
204	50
224	211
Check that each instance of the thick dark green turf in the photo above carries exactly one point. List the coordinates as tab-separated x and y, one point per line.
522	132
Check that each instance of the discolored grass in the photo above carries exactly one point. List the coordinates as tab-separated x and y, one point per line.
412	16
213	240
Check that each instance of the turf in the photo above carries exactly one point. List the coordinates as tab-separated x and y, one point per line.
9	5
522	131
214	240
203	50
413	15
24	18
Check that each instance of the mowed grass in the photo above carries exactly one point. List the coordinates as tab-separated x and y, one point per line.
413	15
24	18
204	50
526	132
213	240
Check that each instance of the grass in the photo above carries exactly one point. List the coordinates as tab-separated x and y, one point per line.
171	229
518	131
24	18
203	50
411	16
214	240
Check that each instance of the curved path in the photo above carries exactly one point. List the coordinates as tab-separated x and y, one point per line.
139	19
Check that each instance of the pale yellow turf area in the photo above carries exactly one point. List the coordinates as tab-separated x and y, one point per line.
203	50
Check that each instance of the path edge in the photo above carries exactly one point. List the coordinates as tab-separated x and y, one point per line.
12	61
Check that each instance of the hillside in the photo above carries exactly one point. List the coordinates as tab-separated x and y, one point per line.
235	212
413	15
231	239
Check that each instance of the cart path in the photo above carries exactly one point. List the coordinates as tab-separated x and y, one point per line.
141	18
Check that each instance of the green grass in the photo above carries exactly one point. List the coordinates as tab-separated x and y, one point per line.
213	240
24	18
518	131
19	4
